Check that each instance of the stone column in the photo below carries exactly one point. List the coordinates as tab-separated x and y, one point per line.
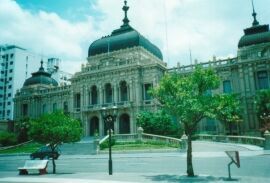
96	146
140	132
267	140
100	97
130	91
115	93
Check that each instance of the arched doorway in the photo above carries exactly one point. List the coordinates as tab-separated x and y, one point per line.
94	126
124	124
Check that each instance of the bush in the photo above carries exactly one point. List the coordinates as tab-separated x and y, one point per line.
159	123
105	144
7	138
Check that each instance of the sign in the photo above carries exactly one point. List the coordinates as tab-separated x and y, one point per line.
234	155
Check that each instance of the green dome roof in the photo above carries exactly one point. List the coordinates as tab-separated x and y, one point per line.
122	38
255	35
40	77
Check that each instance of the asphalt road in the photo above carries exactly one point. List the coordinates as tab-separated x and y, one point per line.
157	167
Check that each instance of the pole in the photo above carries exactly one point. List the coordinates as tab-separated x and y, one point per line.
110	152
229	170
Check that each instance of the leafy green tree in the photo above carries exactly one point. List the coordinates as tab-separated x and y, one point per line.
263	109
159	123
187	98
22	127
54	129
228	110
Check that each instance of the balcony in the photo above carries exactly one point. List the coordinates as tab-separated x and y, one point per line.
98	107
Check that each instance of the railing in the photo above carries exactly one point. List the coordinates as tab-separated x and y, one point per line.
125	137
104	139
258	141
168	140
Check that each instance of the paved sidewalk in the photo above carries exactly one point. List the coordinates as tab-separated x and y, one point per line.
126	177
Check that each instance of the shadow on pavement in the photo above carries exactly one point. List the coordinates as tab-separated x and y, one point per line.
184	178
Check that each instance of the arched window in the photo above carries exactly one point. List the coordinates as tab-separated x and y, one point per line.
108	93
94	95
124	124
123	91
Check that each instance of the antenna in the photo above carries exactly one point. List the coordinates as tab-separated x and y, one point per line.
190	56
166	31
254	14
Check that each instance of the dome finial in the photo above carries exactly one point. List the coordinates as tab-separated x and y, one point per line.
125	9
41	66
254	14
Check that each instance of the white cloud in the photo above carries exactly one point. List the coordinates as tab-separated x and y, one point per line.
207	27
44	33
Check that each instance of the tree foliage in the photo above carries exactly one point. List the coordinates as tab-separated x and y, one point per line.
188	98
228	109
263	109
54	129
159	123
22	127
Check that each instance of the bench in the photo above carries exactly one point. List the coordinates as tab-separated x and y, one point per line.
40	165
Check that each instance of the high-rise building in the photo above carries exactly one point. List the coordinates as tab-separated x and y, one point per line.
16	65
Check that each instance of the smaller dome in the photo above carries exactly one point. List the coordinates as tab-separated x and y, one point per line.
255	35
40	77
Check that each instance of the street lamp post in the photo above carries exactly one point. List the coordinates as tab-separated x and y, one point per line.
109	117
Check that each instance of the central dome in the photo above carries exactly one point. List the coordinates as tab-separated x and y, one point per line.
256	34
122	38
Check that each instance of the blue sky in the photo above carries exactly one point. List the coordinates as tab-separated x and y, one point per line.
66	28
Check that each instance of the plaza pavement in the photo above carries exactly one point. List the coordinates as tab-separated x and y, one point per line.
201	149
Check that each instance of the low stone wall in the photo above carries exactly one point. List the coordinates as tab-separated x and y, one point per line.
258	141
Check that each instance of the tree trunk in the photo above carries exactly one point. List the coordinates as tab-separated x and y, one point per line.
190	172
54	166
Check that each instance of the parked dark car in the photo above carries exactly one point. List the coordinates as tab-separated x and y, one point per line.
45	152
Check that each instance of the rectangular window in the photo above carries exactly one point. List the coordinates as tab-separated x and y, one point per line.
44	108
11	55
10	70
65	106
11	63
9	95
24	109
147	88
54	107
263	81
227	87
77	100
9	103
10	78
9	86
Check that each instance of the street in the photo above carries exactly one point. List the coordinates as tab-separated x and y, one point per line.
147	167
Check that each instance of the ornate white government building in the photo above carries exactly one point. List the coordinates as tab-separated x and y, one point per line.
122	67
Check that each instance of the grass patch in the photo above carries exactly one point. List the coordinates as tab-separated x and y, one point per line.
26	148
147	145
